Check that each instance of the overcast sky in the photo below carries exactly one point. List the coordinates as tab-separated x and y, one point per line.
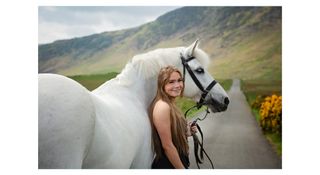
57	22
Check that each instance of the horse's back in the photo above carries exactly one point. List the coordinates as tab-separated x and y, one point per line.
66	122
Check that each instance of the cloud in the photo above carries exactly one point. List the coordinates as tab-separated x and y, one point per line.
69	22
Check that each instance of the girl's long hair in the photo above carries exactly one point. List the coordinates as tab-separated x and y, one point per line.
178	122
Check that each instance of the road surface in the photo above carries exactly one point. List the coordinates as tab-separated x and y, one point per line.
233	138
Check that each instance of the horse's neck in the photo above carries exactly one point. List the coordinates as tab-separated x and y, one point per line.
144	89
133	79
130	84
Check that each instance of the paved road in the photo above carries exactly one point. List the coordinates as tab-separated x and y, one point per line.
233	139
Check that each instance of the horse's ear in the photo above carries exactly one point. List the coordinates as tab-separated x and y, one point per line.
192	47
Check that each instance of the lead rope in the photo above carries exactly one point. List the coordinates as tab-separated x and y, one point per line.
196	140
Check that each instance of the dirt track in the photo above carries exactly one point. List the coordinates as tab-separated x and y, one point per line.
233	138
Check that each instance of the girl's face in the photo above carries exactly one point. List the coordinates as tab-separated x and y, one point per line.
174	86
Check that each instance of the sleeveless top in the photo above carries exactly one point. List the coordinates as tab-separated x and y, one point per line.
164	163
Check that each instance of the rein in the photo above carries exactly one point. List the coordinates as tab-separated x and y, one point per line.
196	142
200	103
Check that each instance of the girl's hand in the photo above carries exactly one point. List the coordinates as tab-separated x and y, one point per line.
191	129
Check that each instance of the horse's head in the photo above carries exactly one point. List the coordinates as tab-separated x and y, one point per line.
199	84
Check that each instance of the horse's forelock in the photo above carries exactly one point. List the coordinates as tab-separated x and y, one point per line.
202	57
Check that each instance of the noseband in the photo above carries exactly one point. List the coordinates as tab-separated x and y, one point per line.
195	80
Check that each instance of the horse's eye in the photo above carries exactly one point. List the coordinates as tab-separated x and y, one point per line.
199	70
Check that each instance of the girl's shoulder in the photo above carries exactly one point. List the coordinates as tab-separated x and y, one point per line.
161	113
162	104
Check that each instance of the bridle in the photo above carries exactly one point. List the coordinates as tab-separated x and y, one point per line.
199	104
195	80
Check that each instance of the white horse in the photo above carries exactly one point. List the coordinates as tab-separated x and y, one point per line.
109	127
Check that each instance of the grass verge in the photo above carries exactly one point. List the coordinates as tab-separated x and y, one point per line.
254	88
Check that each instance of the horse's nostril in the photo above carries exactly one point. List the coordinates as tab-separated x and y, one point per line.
226	101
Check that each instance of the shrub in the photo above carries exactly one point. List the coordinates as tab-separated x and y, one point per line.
271	114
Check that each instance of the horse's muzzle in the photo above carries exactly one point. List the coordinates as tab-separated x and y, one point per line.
216	106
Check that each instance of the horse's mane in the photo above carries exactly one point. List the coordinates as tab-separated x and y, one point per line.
148	64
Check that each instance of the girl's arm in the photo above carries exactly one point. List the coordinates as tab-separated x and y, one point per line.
161	120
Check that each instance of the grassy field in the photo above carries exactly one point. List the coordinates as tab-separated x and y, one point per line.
93	81
225	83
254	88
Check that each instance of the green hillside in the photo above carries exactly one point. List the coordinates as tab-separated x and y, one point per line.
255	57
243	42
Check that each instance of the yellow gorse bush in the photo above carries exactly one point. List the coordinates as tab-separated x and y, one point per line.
271	113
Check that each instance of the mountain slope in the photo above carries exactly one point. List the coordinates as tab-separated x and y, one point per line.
243	42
